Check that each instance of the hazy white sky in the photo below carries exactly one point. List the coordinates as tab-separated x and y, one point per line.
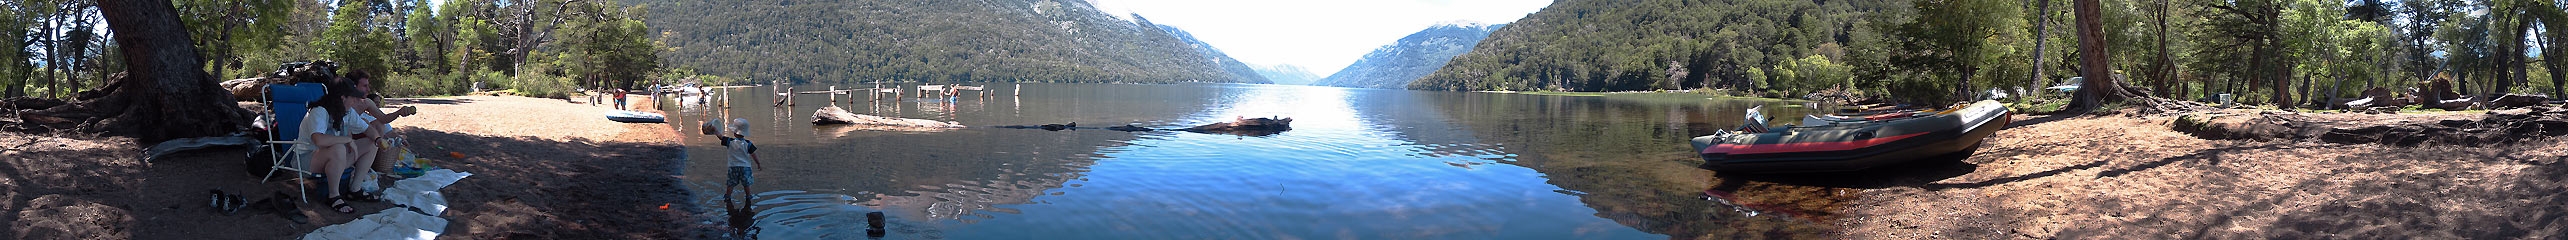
1319	35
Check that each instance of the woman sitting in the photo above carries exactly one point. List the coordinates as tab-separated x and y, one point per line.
346	130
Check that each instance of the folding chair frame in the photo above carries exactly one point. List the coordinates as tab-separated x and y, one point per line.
287	159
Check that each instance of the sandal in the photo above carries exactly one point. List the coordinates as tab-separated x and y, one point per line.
341	205
360	196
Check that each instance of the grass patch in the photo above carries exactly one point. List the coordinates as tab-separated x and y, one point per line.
2039	107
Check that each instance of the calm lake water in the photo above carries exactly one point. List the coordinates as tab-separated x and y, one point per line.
1358	164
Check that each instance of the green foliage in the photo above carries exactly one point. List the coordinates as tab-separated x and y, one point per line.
420	85
352	43
1602	45
1811	74
614	51
544	86
427	40
1954	40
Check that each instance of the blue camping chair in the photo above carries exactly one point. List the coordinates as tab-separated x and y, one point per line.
287	105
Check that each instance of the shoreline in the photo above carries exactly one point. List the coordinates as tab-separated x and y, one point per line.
1689	93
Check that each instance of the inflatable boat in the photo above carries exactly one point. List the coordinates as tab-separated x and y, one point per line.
1850	144
634	117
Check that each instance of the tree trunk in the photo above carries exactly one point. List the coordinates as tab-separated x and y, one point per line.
53	87
2095	60
1965	92
2558	80
2515	55
166	95
2166	80
2041	38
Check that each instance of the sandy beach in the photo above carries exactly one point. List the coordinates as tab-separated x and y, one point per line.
542	169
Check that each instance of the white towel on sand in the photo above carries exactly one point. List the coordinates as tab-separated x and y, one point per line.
421	192
401	223
391	223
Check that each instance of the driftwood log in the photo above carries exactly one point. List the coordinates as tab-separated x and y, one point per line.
2509	101
249	89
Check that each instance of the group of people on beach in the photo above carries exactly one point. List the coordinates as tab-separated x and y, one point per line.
347	127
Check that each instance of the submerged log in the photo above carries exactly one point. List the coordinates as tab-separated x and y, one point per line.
834	116
1246	126
1045	127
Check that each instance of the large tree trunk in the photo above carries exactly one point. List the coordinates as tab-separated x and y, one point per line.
166	95
2095	60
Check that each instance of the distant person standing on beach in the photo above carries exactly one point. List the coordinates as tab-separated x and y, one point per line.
619	99
744	160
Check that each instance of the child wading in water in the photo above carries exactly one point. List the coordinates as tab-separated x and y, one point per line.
744	160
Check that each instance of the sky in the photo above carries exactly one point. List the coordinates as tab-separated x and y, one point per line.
1320	35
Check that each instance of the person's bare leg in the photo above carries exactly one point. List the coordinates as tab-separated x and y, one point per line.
331	158
361	157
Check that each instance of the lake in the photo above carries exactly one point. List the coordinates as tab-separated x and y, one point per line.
1357	164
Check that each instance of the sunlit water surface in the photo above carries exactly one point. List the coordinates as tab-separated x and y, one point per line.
1358	163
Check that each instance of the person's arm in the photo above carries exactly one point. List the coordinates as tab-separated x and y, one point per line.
368	106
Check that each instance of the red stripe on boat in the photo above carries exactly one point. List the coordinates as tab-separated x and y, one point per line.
1804	147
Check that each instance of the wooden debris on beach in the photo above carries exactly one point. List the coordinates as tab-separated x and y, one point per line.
246	89
834	116
2379	97
2511	100
2535	123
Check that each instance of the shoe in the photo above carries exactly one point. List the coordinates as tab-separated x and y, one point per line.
217	201
233	203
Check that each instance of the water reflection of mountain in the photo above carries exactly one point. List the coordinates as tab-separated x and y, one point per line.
1624	155
818	181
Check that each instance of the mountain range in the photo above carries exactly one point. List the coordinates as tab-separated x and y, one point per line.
1412	57
931	41
1287	74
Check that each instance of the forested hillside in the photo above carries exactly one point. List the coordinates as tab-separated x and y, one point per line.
924	40
2281	52
1414	56
1609	45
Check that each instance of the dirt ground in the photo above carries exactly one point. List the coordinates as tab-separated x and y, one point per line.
542	169
2133	177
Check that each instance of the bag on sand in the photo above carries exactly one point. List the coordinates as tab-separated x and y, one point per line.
393	149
